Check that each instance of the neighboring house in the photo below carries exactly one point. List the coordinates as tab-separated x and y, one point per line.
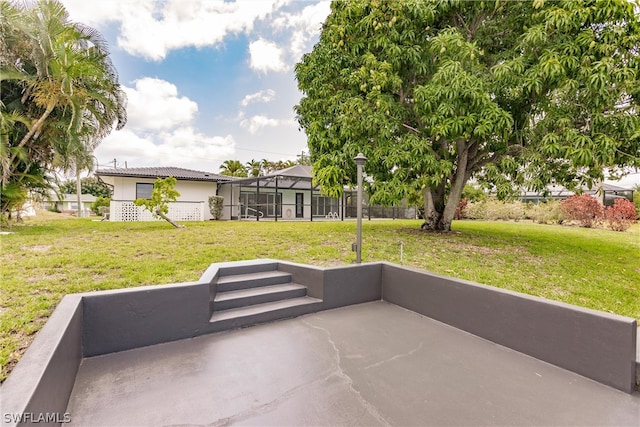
613	192
557	192
129	184
288	194
68	203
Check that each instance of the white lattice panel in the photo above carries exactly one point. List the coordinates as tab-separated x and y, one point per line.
186	211
178	211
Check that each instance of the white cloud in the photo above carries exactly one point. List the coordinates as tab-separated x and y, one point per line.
306	26
266	56
151	28
182	147
256	123
311	17
154	104
95	13
160	131
262	96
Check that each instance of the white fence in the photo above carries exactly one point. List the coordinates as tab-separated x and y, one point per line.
125	210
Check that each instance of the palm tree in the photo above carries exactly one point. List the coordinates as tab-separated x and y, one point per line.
267	166
233	168
284	164
254	167
58	75
75	156
73	70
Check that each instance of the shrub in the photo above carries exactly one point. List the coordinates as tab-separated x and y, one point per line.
636	201
500	210
545	212
215	206
473	194
100	202
475	210
621	215
583	208
493	210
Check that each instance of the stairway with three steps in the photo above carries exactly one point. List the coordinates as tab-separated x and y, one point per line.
250	294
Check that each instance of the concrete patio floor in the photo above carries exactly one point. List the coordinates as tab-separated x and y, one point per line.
367	364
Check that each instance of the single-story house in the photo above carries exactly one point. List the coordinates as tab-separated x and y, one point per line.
287	194
68	203
129	184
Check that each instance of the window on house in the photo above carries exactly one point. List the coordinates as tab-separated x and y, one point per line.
270	204
143	190
323	206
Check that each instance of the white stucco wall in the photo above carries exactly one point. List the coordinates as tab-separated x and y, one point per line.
289	202
230	202
124	189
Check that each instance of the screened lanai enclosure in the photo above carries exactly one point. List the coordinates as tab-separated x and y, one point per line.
289	195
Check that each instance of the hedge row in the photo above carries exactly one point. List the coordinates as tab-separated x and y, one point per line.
584	210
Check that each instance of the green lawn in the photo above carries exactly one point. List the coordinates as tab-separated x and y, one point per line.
46	258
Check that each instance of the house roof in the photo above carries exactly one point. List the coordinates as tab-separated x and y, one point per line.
297	171
611	187
554	190
165	172
298	177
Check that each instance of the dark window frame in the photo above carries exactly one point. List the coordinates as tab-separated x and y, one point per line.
146	193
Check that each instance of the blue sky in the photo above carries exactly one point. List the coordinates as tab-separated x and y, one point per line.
206	80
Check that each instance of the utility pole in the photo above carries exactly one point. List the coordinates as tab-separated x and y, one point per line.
115	163
302	158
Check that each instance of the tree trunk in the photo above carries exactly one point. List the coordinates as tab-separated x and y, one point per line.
78	190
457	186
166	218
36	126
434	210
432	215
440	208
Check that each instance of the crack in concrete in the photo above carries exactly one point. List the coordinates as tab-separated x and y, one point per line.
336	371
265	407
342	374
397	356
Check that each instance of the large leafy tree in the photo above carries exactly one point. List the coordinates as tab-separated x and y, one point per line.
88	185
60	92
437	92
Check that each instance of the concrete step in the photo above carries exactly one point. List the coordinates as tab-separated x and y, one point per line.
252	280
262	313
252	296
246	267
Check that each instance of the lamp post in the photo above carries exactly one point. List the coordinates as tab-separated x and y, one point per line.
360	161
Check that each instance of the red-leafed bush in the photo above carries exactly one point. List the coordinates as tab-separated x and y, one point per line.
461	209
584	209
621	215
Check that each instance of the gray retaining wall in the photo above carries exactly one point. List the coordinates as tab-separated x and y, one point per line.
41	383
596	345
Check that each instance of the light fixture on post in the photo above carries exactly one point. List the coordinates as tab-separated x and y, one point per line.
360	161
